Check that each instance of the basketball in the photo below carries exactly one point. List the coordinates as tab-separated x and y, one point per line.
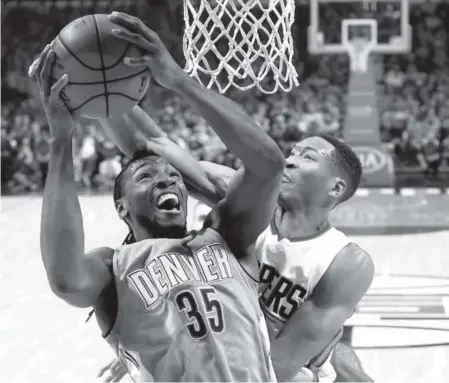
100	84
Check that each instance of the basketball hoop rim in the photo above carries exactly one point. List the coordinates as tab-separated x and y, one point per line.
368	47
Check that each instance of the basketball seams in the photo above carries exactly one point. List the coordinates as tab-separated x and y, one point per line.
75	56
103	72
87	101
123	95
102	94
109	81
99	91
120	59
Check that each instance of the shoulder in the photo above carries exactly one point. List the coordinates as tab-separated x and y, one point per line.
348	277
352	258
101	254
95	275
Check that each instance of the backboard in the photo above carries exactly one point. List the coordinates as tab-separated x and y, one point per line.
358	28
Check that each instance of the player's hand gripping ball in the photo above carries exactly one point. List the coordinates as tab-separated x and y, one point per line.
58	116
100	84
156	57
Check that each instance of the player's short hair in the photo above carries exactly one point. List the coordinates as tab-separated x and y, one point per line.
118	183
348	163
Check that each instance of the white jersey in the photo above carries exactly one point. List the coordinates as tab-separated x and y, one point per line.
289	272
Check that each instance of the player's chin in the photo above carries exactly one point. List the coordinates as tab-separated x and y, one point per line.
287	190
171	228
170	217
288	196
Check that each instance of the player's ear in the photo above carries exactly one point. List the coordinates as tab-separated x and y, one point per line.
339	187
121	207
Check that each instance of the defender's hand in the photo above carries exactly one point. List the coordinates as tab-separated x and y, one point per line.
112	372
59	118
162	65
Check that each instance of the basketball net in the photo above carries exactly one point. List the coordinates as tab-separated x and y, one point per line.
239	43
359	50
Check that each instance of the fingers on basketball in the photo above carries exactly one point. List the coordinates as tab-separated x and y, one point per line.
36	66
33	69
58	86
138	33
45	74
128	21
134	38
137	61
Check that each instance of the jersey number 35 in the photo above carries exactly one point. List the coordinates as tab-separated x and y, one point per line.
204	316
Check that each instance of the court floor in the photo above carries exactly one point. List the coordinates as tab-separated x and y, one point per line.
45	340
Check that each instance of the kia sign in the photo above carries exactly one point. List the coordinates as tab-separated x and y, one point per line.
377	166
372	159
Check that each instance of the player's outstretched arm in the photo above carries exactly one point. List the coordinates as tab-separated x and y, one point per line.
252	196
319	318
136	130
76	278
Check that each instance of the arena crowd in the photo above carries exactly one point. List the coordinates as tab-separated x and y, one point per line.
414	107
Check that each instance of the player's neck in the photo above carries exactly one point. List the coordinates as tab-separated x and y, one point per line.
301	224
142	232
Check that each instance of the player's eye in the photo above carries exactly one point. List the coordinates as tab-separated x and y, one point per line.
175	175
143	176
307	157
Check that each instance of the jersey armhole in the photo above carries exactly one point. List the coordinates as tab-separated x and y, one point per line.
110	307
253	253
248	273
107	307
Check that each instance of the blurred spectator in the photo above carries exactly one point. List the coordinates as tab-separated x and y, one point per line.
415	110
413	107
394	77
445	152
42	150
430	156
88	156
108	170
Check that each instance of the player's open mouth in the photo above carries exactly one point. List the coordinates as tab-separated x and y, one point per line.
168	202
